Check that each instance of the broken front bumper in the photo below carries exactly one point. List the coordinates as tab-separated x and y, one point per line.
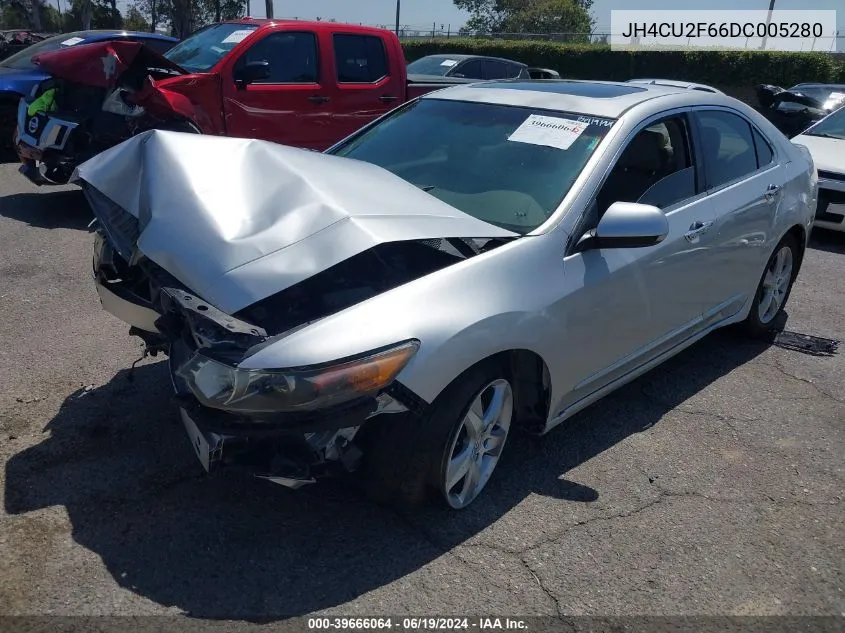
292	449
40	142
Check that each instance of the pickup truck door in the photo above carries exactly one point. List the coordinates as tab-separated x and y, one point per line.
291	105
369	80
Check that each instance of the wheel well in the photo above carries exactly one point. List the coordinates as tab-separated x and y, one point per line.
800	235
529	377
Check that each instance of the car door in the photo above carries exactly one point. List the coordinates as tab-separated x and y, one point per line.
630	305
289	106
744	180
367	82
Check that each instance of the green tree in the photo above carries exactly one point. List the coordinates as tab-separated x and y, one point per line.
102	16
135	21
527	16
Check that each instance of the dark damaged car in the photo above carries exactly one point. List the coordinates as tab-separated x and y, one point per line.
793	111
489	256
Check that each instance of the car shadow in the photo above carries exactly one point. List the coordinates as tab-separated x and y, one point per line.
65	209
233	547
827	240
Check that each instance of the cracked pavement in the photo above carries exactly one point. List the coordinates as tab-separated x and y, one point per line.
712	485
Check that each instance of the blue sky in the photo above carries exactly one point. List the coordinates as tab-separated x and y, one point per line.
422	13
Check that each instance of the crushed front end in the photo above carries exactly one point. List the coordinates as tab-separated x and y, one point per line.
290	427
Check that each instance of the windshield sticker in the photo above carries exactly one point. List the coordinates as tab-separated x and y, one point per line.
236	36
448	62
72	41
594	121
549	131
833	99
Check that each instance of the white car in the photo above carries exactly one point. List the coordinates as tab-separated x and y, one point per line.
826	142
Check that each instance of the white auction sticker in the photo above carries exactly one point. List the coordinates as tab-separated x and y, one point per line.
236	36
72	41
448	62
548	130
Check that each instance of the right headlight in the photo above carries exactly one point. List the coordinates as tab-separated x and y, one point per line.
223	386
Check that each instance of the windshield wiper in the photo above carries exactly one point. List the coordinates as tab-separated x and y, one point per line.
427	188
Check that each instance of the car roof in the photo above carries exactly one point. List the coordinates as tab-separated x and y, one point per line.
104	34
599	98
817	85
686	85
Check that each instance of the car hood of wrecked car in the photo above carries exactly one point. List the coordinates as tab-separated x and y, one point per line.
238	220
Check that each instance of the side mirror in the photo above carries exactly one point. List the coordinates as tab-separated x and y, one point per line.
252	72
627	225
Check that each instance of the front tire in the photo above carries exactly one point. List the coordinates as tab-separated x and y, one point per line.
451	451
774	288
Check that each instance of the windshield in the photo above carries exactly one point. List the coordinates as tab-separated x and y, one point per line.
505	165
832	125
202	50
433	65
22	60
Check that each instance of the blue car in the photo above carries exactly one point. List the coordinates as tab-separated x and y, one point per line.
18	74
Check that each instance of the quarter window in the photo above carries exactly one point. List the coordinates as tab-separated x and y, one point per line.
765	154
292	57
360	59
728	147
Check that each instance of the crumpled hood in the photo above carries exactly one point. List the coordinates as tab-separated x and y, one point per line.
238	220
101	63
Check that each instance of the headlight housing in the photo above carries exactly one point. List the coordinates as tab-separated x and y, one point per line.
222	386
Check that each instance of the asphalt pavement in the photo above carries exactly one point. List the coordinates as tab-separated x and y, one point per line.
712	485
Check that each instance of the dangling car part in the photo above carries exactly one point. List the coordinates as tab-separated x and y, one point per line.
489	257
793	111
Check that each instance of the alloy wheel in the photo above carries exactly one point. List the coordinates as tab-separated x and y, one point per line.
477	445
776	283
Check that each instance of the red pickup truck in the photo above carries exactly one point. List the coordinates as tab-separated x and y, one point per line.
307	84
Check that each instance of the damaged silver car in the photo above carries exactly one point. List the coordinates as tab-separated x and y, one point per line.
488	257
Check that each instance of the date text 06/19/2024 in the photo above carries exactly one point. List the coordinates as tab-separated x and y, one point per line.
417	624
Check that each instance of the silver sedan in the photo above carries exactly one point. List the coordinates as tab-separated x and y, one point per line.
488	257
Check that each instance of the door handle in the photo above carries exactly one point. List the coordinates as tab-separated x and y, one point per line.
387	99
771	192
318	99
696	230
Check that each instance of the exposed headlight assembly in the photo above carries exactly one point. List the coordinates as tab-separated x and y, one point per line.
230	388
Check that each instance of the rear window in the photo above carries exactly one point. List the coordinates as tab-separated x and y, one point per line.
360	59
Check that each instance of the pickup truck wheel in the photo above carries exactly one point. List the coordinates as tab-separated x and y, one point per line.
452	450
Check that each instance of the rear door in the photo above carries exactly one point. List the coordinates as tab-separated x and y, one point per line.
744	181
368	82
291	105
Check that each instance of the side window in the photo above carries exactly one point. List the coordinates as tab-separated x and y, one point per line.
765	154
360	59
496	70
655	168
292	57
727	145
471	69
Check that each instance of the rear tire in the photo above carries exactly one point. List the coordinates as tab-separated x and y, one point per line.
451	451
774	289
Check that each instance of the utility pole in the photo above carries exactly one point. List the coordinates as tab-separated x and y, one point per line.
268	6
768	21
398	4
